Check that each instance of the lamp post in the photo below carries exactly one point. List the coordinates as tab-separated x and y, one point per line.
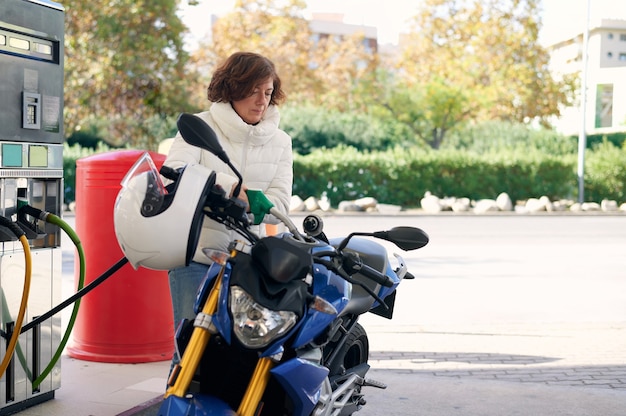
582	135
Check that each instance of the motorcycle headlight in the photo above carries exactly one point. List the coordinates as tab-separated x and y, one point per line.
254	325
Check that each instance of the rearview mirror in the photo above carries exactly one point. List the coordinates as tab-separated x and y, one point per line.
197	132
407	238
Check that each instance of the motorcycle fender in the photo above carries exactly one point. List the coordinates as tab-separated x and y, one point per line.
302	380
198	405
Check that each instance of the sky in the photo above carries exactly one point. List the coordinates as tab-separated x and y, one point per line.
560	17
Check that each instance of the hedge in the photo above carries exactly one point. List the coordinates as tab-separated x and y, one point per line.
402	176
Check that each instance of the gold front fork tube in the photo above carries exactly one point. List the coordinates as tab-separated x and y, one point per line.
256	388
184	371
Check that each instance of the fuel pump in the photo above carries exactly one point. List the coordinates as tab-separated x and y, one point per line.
31	173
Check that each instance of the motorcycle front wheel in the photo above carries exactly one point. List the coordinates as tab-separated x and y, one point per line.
355	351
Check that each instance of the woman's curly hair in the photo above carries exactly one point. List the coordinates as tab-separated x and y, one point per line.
236	78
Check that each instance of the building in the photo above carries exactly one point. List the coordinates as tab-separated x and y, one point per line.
605	110
326	25
331	25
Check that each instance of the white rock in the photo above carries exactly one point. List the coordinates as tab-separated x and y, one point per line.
591	206
504	203
296	204
324	203
348	206
535	205
608	205
547	203
485	205
447	203
311	204
430	203
576	207
461	205
560	205
366	202
388	208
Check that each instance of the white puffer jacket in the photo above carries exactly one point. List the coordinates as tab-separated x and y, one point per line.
262	153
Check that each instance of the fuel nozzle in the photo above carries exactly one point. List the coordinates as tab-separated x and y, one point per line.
30	228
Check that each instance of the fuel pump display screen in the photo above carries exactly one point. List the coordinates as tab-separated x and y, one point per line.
37	156
11	155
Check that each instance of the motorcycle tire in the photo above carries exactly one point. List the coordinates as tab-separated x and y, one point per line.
355	351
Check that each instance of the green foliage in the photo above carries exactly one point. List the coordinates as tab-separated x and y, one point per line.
429	109
593	140
495	136
316	127
148	132
71	153
401	176
605	173
124	63
488	48
84	139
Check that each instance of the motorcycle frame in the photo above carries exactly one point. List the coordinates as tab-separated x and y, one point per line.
208	321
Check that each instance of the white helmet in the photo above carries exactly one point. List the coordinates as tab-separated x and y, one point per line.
155	228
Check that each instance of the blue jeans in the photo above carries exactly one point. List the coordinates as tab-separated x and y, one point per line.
184	283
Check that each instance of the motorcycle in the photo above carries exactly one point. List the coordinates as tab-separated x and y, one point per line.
277	328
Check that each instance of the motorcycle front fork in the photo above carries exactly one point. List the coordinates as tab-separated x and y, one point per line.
183	372
256	388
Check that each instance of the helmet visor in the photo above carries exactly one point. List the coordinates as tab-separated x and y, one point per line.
144	181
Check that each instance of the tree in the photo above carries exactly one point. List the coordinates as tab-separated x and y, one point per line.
429	110
124	64
319	71
489	47
343	69
272	28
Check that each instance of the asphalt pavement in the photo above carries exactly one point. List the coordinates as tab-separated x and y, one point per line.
508	315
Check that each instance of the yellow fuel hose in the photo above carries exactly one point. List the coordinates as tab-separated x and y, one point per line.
18	351
19	233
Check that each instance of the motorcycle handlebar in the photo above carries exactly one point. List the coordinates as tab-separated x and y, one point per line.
353	262
374	275
215	199
169	173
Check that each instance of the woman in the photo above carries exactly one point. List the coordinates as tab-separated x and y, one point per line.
245	92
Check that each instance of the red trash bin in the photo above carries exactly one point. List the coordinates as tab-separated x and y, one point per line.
128	318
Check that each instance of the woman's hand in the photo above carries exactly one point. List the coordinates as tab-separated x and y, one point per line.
243	196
